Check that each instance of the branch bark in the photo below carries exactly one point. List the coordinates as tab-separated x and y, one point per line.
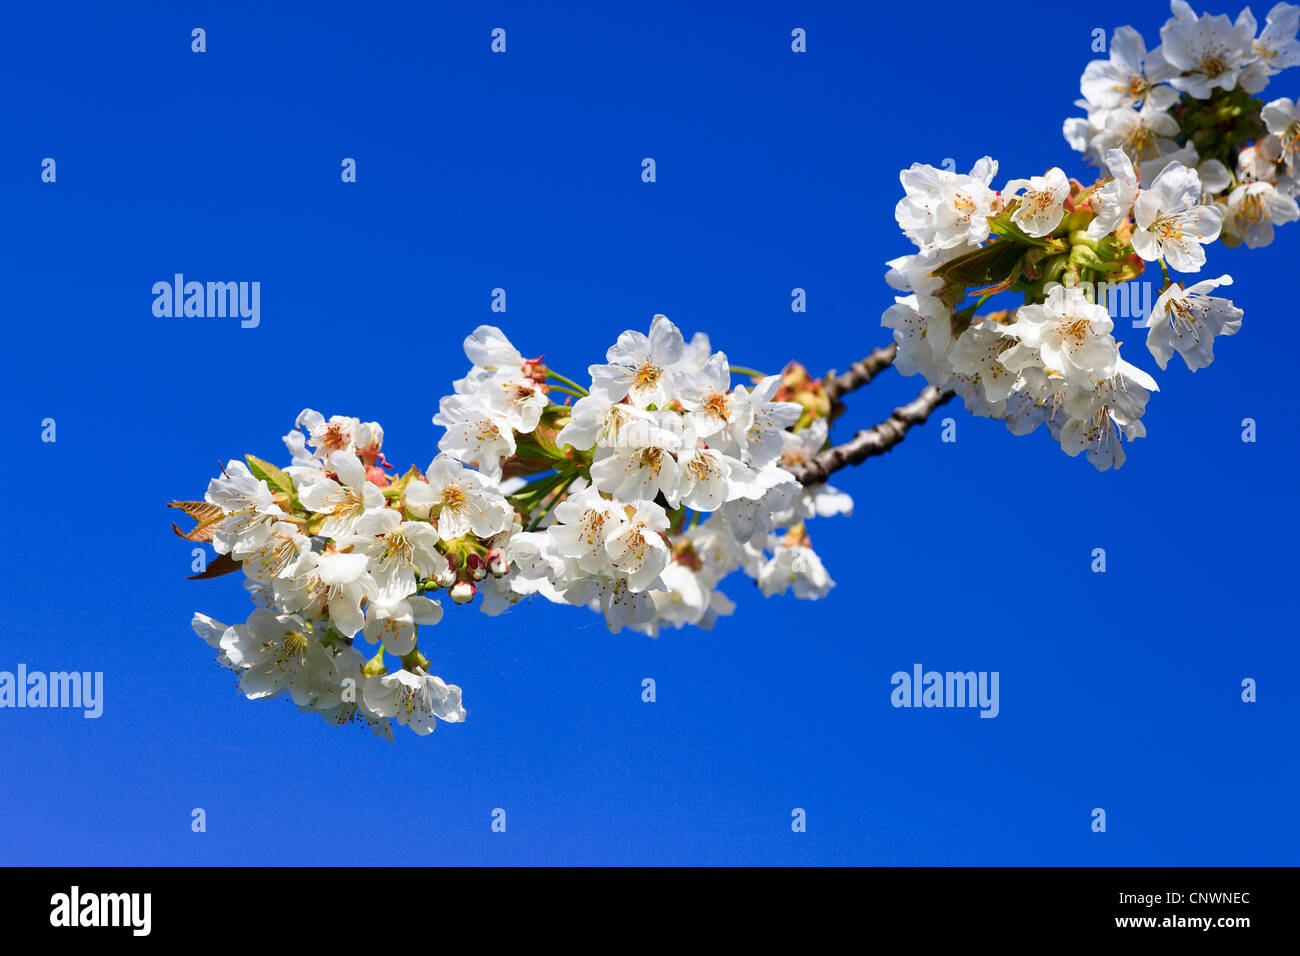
860	372
871	441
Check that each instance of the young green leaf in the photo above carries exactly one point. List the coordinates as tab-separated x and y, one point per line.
272	475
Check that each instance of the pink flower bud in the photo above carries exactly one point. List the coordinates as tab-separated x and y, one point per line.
476	567
462	592
497	564
376	476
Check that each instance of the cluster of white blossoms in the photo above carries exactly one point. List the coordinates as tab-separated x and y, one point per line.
681	482
634	497
1191	100
1190	157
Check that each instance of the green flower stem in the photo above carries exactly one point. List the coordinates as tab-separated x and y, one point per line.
745	370
414	659
555	497
535	491
567	381
375	665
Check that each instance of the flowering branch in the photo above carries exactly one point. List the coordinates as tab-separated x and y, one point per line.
873	441
636	494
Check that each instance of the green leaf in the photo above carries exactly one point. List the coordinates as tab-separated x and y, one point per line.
992	265
538	446
272	475
1083	256
1001	225
545	438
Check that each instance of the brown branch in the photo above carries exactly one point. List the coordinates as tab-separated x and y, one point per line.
871	441
860	373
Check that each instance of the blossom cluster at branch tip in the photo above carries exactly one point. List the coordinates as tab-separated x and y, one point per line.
634	496
1190	156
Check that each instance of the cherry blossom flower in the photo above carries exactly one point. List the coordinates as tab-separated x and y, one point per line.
640	366
475	433
1210	51
1187	320
636	546
1253	209
946	210
1070	336
458	500
1043	204
342	501
415	699
1114	201
1127	78
1171	223
400	552
248	506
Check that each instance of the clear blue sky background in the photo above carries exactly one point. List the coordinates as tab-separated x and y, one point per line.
775	170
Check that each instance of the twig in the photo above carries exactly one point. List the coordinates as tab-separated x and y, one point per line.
860	372
872	441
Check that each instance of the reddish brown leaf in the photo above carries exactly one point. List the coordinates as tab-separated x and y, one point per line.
205	514
221	564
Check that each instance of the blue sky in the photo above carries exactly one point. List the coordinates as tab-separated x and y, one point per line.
522	171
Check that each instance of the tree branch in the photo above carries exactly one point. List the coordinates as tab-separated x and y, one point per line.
860	372
872	441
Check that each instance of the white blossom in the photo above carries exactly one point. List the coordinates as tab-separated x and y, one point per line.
1170	222
1187	320
1043	204
640	366
415	699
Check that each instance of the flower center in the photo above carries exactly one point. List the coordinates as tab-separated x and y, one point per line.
334	438
1252	209
397	550
702	467
1076	330
1214	62
964	205
454	497
291	646
652	458
718	405
1141	142
593	522
647	375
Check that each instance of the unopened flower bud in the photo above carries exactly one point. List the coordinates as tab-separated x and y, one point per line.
497	564
476	567
462	592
